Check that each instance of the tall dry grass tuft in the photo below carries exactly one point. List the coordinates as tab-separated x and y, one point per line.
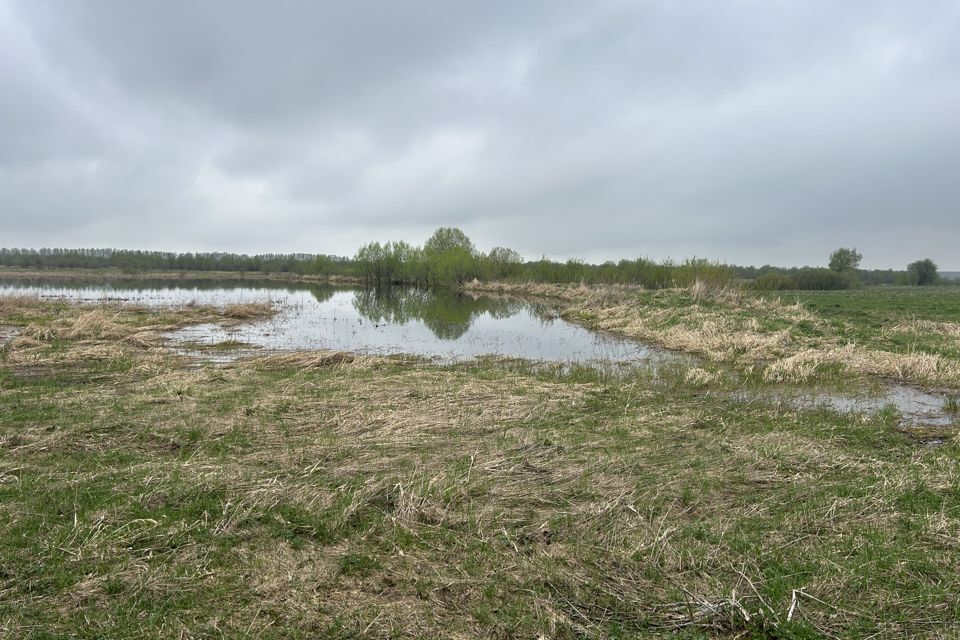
723	293
96	324
910	367
15	302
699	377
920	327
248	310
798	368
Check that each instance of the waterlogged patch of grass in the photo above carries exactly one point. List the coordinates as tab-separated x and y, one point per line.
319	495
951	404
225	346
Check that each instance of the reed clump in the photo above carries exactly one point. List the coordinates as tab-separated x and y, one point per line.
248	310
13	302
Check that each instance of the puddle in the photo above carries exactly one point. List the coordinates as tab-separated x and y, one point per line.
7	334
440	325
915	407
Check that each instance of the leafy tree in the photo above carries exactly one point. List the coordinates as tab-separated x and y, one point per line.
923	272
447	239
454	266
450	257
502	262
370	258
844	259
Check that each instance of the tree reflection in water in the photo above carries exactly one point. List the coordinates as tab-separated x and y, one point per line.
447	314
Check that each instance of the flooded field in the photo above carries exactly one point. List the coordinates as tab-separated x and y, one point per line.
913	406
436	324
440	325
124	465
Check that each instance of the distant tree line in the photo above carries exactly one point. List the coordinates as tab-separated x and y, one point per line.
450	259
299	263
844	273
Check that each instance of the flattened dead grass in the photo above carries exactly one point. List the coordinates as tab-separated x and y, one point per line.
920	327
312	360
105	332
781	340
248	310
921	368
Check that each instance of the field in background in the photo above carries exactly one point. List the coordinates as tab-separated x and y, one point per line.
323	495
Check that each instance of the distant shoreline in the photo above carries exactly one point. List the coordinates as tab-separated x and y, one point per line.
166	274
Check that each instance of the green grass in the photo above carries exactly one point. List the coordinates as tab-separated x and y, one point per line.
875	305
951	404
140	498
872	315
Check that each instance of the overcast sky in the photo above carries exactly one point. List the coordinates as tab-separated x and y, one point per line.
766	131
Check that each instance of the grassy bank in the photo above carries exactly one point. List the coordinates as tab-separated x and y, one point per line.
321	495
904	333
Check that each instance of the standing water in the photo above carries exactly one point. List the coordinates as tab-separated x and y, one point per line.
444	325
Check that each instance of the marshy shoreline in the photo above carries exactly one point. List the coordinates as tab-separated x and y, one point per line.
322	493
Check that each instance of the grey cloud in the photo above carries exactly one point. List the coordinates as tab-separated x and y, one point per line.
765	132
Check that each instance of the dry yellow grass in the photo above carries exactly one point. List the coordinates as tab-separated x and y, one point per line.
248	310
10	303
759	334
949	329
700	377
910	367
311	360
104	332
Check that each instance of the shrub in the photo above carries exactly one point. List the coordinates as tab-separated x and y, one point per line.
822	279
774	282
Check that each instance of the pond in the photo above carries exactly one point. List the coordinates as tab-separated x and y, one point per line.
443	325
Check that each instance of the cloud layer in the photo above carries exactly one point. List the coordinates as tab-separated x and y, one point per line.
755	132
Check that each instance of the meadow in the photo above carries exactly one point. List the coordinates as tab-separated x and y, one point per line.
145	494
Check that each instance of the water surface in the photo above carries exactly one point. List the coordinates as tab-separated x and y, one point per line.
913	406
7	334
444	325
